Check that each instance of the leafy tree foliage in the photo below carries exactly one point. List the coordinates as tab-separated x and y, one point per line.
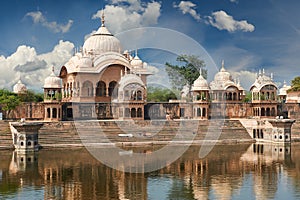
30	96
9	100
295	84
248	97
157	94
187	73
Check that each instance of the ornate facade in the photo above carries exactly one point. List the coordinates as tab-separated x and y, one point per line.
102	81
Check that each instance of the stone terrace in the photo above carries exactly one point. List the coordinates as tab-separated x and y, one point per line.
69	134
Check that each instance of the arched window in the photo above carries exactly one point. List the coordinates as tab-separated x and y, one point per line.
204	112
234	96
139	112
101	89
54	112
48	113
87	89
263	112
268	112
133	113
139	95
229	96
111	88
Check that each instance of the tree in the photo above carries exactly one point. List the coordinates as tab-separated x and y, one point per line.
248	97
295	84
156	94
30	96
9	100
187	73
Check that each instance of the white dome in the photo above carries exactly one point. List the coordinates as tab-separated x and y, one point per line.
200	84
19	87
283	90
222	80
52	81
136	62
100	42
223	76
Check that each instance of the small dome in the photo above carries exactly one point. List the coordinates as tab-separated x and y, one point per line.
52	81
136	62
101	41
223	75
284	89
222	80
200	84
19	87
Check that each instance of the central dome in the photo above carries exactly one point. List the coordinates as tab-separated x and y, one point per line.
101	41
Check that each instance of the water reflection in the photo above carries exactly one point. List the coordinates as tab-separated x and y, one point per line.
249	171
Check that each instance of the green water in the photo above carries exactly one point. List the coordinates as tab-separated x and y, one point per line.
243	171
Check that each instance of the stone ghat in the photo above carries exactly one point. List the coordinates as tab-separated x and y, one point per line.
74	134
6	141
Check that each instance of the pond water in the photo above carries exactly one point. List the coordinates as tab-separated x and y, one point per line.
241	171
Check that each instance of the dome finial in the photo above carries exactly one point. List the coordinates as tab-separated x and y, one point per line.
200	71
223	64
271	76
102	18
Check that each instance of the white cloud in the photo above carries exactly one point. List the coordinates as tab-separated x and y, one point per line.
234	1
188	7
39	18
32	67
222	21
245	77
124	15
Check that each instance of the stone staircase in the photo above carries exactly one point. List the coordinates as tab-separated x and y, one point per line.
5	135
68	134
58	134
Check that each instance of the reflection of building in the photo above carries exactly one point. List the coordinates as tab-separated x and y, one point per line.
23	161
262	158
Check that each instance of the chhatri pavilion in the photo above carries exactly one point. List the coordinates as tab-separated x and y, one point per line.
103	81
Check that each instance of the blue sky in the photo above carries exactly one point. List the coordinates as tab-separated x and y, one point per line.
248	34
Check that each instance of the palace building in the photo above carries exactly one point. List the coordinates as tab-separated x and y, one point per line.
103	81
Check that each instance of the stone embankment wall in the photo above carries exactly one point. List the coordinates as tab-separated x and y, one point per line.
65	134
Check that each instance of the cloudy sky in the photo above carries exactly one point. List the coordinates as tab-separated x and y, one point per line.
248	34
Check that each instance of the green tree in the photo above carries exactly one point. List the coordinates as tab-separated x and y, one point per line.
187	73
295	84
9	100
30	96
156	94
248	97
